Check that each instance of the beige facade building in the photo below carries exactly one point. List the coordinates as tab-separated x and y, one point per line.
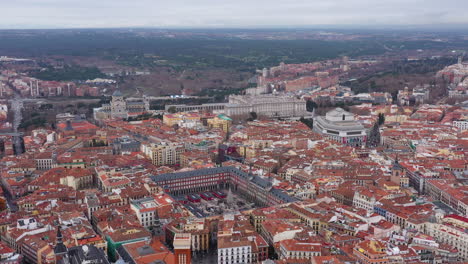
163	153
220	121
451	231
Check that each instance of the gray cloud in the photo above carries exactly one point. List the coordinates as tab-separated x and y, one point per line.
223	13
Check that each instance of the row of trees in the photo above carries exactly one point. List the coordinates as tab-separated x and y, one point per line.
37	121
69	73
374	135
145	116
398	74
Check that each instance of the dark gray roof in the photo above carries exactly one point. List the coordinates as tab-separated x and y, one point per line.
264	184
397	166
145	250
135	103
283	196
117	93
60	248
194	173
82	254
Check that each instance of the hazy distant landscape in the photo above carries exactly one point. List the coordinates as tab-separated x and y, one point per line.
201	59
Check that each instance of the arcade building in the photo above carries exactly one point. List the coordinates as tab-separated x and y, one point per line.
252	188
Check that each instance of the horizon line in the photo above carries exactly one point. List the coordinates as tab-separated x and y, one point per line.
426	27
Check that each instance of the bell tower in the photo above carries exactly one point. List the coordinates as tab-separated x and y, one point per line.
118	105
60	250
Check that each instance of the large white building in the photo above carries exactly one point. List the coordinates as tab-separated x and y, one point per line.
266	105
276	106
145	209
340	125
119	107
296	249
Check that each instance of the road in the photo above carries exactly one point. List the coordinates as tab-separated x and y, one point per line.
10	201
17	107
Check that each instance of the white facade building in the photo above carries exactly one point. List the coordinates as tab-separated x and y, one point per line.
364	200
452	233
234	249
461	124
266	105
145	209
294	249
45	163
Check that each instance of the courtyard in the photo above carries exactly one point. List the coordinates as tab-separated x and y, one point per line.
233	202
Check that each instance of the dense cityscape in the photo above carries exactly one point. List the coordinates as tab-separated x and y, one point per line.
176	155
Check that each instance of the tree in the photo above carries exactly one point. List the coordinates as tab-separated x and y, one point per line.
310	105
307	122
253	116
172	109
374	136
381	120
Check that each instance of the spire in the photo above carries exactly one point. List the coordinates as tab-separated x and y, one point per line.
60	248
59	235
396	164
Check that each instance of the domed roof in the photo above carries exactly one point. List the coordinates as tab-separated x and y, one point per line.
338	112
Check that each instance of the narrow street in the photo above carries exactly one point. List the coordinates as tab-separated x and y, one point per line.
10	201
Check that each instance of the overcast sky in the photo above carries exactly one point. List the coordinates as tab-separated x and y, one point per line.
228	13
